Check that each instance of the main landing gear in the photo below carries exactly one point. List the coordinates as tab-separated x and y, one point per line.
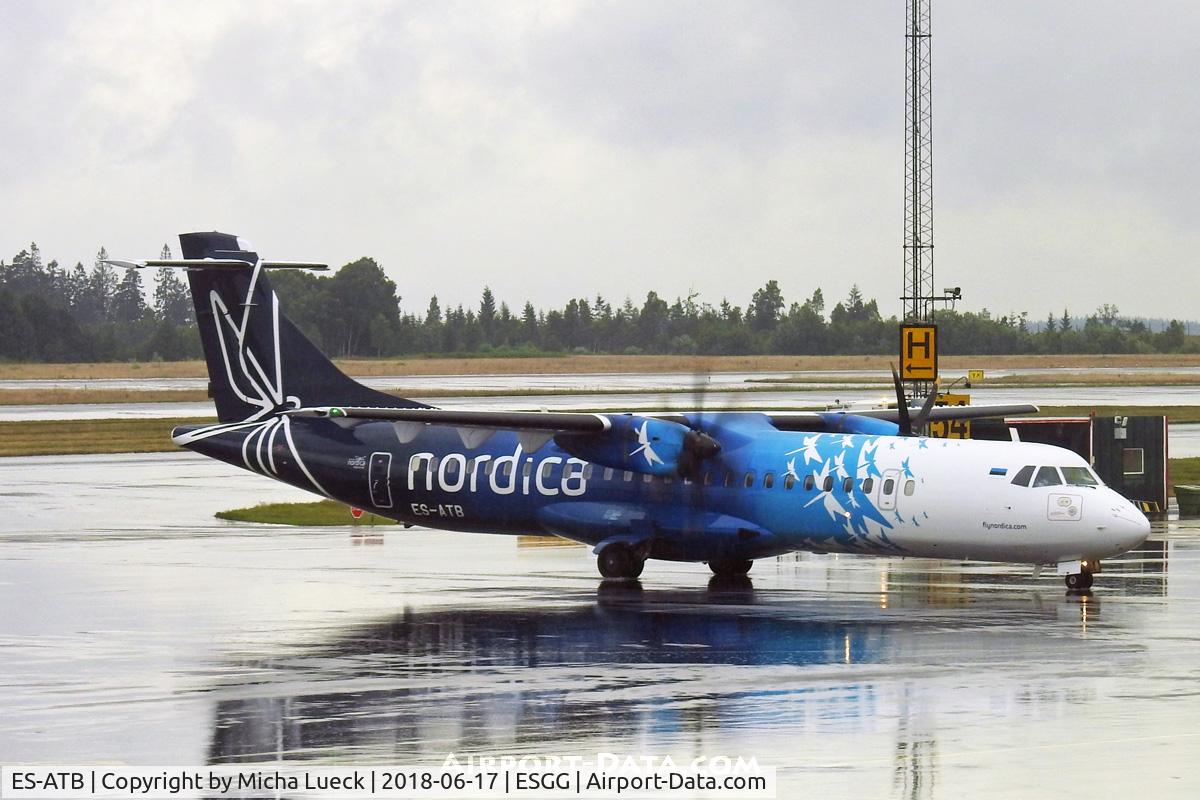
730	567
619	560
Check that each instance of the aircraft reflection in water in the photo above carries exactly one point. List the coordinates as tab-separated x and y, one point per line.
671	671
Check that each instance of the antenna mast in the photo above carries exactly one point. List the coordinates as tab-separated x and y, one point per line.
918	167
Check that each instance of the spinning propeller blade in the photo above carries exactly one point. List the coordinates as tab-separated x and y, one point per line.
909	425
901	404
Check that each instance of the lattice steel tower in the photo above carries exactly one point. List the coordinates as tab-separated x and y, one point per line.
918	167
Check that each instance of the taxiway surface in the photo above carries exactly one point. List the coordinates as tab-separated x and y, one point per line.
136	628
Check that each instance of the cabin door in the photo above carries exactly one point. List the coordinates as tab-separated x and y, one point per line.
378	477
888	489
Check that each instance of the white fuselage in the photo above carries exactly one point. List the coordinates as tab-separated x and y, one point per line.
957	499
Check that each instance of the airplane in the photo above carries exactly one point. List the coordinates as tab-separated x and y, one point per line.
724	488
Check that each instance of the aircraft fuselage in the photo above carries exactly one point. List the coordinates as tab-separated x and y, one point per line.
768	492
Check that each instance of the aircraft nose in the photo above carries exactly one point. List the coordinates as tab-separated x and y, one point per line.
1130	527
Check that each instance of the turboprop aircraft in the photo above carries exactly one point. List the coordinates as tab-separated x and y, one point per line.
724	488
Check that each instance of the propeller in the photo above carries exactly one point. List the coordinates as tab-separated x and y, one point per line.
697	446
909	425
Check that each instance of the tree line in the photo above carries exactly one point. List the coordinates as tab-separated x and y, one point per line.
51	313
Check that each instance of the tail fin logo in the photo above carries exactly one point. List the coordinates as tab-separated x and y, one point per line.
256	383
254	371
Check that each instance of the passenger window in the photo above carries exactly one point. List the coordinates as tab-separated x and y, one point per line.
789	481
868	485
848	485
1047	476
433	464
828	485
889	486
608	473
909	487
1022	477
749	480
488	467
708	479
528	469
808	482
628	476
768	480
647	477
452	467
728	480
588	471
508	468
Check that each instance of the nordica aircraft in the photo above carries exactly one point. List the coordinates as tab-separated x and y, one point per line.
718	487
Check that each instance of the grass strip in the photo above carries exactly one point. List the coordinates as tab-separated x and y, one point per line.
310	514
1183	471
79	436
552	364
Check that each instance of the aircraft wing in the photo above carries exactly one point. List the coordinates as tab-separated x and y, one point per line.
583	422
552	421
821	420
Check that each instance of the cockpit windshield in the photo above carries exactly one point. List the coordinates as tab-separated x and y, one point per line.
1079	476
1055	476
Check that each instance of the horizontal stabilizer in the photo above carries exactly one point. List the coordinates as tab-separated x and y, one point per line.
214	263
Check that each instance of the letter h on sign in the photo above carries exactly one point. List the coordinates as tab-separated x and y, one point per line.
918	352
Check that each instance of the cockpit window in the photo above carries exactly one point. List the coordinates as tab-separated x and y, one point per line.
1047	476
1022	477
1079	476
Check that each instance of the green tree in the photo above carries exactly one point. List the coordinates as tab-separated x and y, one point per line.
487	316
363	302
128	300
652	324
765	306
172	300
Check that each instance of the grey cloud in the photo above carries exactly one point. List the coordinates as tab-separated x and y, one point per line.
633	146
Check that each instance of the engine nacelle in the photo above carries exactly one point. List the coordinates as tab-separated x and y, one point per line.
841	422
641	444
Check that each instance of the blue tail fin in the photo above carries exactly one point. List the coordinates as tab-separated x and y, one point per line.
258	361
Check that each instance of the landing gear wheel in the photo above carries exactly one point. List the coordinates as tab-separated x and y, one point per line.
1079	581
728	567
618	561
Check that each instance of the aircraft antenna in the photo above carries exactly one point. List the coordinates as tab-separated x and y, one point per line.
918	291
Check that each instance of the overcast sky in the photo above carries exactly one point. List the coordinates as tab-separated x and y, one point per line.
564	149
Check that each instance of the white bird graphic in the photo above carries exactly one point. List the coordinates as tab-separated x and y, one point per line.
645	448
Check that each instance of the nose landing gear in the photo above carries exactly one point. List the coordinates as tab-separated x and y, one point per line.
1078	575
1079	581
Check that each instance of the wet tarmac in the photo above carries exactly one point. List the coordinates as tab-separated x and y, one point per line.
136	628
